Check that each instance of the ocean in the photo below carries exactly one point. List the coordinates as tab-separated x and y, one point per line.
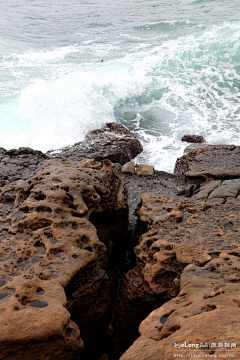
161	68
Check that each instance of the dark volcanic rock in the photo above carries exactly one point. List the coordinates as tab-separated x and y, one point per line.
18	164
113	142
193	139
210	161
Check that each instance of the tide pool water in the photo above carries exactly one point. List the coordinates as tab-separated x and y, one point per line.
161	68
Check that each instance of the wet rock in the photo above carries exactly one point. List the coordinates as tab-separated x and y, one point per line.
18	164
53	265
113	142
160	183
189	190
193	138
180	232
194	147
211	161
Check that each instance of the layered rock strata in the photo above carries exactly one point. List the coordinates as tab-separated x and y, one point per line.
113	142
210	161
192	247
219	192
52	263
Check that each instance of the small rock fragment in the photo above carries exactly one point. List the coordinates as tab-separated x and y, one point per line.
128	168
143	169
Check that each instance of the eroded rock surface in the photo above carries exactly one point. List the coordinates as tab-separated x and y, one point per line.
113	142
181	232
18	164
219	192
206	314
52	263
211	161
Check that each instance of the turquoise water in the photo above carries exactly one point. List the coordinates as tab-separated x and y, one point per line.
163	69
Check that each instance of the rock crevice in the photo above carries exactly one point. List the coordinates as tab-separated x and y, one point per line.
190	253
53	264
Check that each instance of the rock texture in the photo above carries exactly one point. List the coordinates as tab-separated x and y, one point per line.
114	142
128	168
143	169
199	240
219	192
52	263
205	314
193	139
18	164
211	161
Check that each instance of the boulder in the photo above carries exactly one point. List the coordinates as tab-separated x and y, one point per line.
53	265
211	161
113	142
193	139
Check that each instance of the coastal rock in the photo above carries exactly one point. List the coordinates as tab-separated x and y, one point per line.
18	164
52	263
219	192
193	147
128	168
211	161
113	142
193	139
143	169
180	232
202	320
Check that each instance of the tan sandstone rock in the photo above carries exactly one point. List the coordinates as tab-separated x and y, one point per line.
203	320
128	168
52	263
143	169
192	247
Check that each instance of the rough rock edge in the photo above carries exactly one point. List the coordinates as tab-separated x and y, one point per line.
113	142
193	139
44	222
210	161
166	248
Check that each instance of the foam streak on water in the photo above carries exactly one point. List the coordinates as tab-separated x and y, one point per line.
167	70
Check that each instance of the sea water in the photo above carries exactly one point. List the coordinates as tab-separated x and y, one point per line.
161	68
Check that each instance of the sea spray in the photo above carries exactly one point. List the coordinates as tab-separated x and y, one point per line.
161	71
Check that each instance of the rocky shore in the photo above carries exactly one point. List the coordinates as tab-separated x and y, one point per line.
102	259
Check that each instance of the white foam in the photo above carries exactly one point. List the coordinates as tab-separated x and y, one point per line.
185	85
46	55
